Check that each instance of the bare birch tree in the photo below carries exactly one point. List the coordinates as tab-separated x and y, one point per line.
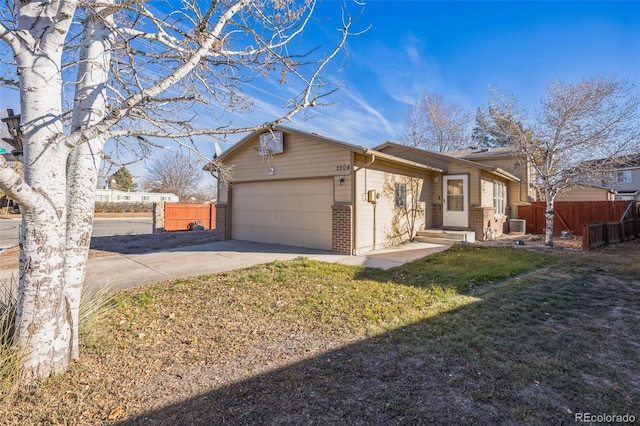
435	125
132	71
579	134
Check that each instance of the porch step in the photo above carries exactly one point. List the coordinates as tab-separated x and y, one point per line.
444	236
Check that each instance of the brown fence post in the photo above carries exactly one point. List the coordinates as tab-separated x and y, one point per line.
585	237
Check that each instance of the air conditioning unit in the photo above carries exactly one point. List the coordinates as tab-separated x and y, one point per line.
517	226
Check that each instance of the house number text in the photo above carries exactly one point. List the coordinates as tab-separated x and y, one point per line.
343	167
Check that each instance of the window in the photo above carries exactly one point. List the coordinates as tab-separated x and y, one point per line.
123	197
146	198
499	197
624	176
401	195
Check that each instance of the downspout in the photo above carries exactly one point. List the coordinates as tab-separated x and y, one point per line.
373	158
375	228
354	223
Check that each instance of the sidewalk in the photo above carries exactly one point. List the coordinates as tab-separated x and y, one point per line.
123	271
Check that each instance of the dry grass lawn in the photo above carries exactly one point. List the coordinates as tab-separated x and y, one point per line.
467	336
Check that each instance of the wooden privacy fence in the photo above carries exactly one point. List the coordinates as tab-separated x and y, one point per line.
596	235
177	217
571	215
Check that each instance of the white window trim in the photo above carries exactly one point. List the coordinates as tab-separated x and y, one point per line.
623	176
500	198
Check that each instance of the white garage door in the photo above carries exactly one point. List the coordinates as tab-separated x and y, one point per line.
296	212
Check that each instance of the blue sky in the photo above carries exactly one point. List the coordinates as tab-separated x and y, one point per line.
456	49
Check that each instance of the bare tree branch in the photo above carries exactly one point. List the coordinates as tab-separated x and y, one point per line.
435	125
580	132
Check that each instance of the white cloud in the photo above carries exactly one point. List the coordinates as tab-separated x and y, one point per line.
412	47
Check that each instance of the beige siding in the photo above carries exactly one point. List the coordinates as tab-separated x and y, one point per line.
487	193
487	189
342	189
513	195
223	194
302	158
584	193
509	164
390	225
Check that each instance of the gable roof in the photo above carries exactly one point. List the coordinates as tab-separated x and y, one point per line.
334	142
622	162
450	159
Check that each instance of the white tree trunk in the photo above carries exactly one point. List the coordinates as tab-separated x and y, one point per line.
42	316
52	265
83	165
549	215
81	180
61	165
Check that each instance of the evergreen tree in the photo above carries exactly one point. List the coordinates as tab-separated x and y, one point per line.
123	179
492	130
480	135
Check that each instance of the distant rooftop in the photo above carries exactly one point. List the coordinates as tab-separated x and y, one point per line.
474	153
631	162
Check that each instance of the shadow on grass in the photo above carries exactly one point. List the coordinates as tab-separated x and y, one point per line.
533	350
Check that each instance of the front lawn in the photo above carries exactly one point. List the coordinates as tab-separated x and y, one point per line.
467	336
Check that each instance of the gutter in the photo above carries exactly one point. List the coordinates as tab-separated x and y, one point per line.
396	159
505	174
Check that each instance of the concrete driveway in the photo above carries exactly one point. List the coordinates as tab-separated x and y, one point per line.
122	271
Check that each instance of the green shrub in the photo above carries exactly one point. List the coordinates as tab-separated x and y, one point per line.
109	207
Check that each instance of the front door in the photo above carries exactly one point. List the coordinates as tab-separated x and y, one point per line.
456	201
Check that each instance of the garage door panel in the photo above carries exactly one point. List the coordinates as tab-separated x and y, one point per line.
283	220
286	212
306	204
293	238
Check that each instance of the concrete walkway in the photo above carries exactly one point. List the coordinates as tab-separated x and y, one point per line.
122	271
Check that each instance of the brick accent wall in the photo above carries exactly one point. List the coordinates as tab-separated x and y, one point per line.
221	223
482	220
436	216
341	229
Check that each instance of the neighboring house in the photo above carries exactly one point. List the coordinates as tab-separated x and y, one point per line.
117	196
587	192
296	188
626	180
